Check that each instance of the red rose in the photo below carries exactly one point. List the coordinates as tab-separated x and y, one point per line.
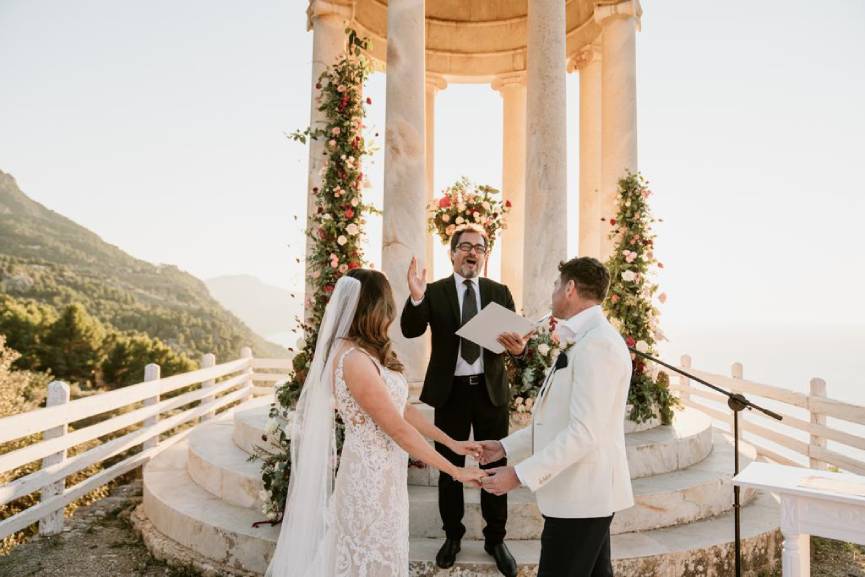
368	100
660	265
353	265
349	212
613	221
328	288
630	341
508	203
445	202
318	85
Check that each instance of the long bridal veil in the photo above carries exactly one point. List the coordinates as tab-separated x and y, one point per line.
304	548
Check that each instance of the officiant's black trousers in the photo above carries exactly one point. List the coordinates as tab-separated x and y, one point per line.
469	408
576	548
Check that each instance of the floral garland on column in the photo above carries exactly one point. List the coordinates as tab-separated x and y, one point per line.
630	305
336	231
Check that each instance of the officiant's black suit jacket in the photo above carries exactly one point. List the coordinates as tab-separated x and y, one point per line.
441	312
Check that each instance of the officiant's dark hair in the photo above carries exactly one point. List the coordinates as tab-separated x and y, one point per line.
590	277
376	310
461	230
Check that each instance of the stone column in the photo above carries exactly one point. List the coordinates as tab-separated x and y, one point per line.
588	62
327	22
404	221
434	83
619	24
512	87
545	240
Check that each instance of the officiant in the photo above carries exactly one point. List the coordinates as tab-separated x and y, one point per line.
467	385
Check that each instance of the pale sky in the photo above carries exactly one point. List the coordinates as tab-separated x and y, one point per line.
160	126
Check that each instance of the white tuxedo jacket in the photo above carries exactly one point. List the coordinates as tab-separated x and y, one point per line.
573	456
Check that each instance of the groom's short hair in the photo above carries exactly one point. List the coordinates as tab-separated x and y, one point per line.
590	277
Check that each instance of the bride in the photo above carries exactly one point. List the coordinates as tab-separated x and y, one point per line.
357	525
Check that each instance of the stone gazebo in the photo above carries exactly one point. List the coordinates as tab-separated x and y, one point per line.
523	48
203	495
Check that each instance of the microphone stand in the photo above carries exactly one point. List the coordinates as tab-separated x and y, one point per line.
737	403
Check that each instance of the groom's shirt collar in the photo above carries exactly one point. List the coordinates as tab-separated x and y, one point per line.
570	328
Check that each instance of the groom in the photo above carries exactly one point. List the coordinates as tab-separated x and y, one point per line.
573	457
467	385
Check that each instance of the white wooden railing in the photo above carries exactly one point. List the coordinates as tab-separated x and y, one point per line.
143	419
152	423
802	438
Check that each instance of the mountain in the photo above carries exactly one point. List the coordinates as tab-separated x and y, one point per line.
50	259
268	310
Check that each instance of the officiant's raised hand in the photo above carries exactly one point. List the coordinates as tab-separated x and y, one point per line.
416	282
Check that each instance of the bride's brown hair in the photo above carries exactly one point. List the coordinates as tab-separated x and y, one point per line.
376	310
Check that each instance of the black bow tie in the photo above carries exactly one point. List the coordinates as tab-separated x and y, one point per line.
561	361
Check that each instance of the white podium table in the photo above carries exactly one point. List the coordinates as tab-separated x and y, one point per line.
826	506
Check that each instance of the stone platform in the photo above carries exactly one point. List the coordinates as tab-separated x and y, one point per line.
201	498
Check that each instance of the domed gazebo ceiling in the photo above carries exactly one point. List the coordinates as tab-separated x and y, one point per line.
475	40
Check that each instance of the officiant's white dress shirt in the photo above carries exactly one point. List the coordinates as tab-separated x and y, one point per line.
463	368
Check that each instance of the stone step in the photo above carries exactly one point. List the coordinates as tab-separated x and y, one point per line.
249	424
181	520
216	464
651	452
701	491
700	549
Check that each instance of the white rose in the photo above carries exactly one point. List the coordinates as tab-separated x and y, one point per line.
271	516
629	276
335	130
446	218
544	349
518	401
486	206
354	202
263	496
341	240
461	207
331	143
529	403
460	220
352	229
642	346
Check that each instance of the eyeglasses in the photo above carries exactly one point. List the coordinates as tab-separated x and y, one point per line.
467	247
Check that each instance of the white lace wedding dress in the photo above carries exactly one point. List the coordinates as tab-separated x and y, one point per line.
369	508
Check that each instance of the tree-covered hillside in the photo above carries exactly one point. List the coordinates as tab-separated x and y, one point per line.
48	262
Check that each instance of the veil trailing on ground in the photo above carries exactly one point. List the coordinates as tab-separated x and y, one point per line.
304	548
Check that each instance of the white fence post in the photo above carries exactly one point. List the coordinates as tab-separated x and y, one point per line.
52	524
151	373
208	360
818	389
737	371
246	353
685	382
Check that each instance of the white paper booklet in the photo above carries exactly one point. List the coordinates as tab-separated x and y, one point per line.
486	326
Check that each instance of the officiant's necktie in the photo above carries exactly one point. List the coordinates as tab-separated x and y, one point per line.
469	351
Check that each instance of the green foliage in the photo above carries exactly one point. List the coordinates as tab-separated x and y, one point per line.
630	304
48	262
22	391
127	355
335	228
72	345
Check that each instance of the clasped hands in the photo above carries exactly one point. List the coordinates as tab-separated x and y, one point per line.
498	480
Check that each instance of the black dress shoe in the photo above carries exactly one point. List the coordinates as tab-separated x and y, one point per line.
447	555
505	562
